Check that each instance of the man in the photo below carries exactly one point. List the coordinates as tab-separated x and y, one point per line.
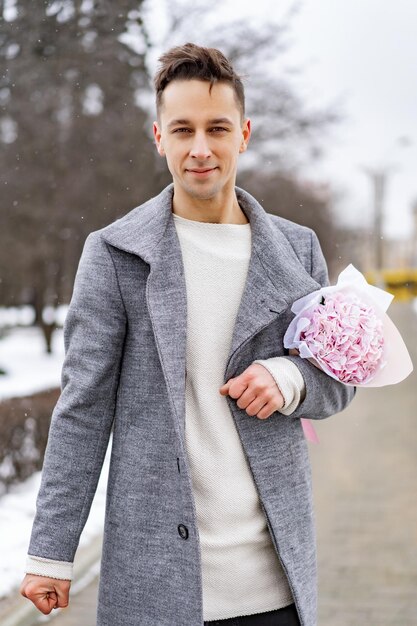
174	337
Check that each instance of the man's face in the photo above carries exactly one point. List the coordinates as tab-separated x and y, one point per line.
201	135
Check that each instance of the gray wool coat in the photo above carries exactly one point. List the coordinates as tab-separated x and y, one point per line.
125	367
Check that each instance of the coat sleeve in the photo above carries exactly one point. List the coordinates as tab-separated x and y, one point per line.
324	396
94	332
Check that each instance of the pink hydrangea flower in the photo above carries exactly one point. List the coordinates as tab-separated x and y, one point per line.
344	331
345	337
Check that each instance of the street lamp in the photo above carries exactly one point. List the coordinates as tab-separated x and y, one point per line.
378	177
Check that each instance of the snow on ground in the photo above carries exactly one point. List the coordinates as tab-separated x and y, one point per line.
17	510
30	369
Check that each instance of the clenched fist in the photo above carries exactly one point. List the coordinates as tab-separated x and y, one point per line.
255	390
45	593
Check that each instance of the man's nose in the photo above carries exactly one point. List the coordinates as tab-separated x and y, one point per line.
200	148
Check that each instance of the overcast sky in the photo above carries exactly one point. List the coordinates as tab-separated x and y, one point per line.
366	50
363	54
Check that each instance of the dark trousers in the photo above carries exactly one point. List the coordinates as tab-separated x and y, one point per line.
287	616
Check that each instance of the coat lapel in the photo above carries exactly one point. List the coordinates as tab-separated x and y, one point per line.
275	279
149	232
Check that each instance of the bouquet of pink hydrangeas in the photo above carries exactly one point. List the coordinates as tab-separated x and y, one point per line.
344	336
344	330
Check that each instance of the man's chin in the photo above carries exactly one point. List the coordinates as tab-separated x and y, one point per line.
203	192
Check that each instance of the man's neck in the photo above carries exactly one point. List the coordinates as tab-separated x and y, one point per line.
218	210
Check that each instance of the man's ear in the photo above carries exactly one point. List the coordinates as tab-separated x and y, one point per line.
158	140
246	131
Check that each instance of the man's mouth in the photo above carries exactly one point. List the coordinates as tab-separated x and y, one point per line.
201	171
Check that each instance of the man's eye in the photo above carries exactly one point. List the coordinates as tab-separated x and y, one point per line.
219	129
181	130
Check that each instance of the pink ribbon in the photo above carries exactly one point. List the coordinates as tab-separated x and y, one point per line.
309	432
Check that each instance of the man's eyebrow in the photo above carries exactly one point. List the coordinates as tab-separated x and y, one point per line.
221	120
178	123
216	120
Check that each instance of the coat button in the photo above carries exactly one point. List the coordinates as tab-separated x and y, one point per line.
183	531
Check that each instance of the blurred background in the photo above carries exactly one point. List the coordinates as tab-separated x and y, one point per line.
330	90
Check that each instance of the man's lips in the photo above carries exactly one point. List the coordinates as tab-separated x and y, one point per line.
201	171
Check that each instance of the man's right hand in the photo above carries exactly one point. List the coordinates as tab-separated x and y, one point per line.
45	593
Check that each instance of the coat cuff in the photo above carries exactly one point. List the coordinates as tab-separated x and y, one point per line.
289	381
62	570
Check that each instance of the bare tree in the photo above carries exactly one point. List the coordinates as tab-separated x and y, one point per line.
75	152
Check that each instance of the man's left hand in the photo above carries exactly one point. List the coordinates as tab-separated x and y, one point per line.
255	391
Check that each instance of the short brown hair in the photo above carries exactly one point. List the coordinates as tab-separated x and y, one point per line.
189	62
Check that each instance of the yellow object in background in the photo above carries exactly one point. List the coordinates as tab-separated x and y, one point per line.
402	282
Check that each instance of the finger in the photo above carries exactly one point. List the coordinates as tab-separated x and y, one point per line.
254	407
53	599
224	389
237	387
267	410
63	597
246	398
44	601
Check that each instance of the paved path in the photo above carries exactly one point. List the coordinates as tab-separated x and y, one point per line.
365	477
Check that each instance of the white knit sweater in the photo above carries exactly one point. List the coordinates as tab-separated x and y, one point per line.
241	572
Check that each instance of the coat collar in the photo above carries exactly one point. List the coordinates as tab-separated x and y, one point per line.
143	229
275	279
